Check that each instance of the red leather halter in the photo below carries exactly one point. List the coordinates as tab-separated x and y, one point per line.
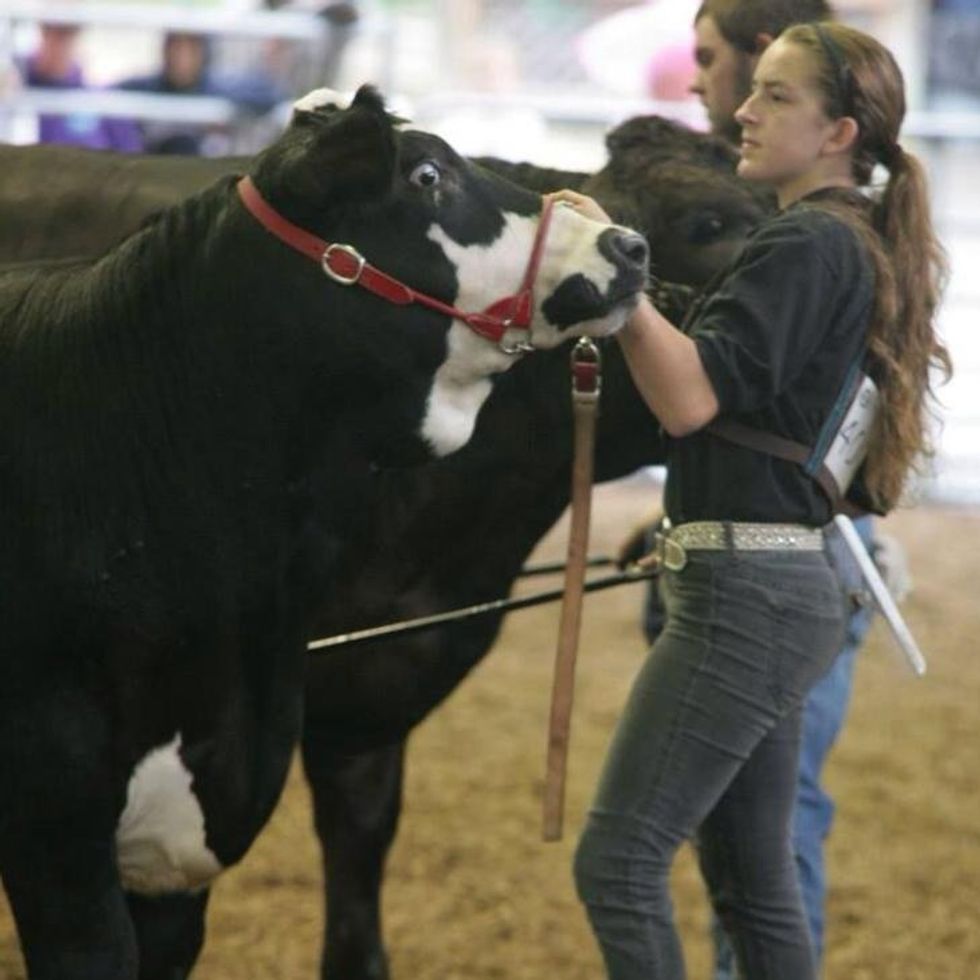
345	265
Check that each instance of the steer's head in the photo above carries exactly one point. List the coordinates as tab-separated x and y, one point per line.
444	226
695	218
423	215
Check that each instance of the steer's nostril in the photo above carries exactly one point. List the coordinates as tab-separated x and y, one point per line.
626	249
633	247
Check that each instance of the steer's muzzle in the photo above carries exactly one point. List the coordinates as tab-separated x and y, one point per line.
626	249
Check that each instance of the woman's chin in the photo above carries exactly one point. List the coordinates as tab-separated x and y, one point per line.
748	169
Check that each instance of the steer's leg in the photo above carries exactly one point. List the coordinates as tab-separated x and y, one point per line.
57	840
356	801
170	933
70	911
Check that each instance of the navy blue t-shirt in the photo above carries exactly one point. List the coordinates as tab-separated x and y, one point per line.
776	338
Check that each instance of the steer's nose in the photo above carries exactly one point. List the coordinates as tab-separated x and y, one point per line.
627	247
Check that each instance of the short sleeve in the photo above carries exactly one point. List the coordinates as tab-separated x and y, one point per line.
756	333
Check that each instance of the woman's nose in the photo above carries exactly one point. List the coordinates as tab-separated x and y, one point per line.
744	111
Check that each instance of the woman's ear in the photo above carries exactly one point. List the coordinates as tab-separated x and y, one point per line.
844	135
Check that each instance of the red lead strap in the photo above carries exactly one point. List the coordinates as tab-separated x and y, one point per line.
345	265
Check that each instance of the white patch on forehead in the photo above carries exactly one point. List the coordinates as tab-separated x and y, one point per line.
160	838
320	98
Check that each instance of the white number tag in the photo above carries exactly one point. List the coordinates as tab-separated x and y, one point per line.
850	444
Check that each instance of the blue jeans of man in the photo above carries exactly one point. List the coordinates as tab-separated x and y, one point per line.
823	718
709	743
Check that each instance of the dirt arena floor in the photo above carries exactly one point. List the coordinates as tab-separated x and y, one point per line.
473	893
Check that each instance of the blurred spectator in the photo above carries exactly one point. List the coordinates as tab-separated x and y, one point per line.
953	76
302	67
186	70
671	71
55	64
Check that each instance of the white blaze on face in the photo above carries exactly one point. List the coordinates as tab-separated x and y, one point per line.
573	246
486	273
160	838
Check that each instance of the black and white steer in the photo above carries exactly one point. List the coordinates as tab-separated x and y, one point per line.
185	424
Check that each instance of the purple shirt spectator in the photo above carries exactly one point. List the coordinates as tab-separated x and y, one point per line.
80	128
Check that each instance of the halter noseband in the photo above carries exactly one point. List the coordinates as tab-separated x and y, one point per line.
345	265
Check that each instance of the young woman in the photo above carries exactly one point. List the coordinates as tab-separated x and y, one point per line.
708	743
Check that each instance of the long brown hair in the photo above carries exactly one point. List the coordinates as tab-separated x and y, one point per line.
859	78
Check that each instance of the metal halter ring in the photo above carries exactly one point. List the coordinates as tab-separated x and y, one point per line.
347	250
518	347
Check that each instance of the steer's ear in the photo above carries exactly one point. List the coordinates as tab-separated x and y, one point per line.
351	153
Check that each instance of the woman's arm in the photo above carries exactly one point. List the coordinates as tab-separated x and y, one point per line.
664	363
667	371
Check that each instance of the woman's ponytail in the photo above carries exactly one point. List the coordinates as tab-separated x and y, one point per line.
903	343
859	78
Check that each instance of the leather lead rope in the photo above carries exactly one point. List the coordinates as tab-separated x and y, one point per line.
586	384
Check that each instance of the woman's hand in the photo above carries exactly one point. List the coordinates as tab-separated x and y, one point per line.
585	205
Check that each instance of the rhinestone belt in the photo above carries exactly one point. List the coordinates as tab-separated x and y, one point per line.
739	536
673	543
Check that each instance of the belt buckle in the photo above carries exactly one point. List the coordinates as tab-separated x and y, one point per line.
671	553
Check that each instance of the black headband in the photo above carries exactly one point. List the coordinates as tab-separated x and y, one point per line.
839	69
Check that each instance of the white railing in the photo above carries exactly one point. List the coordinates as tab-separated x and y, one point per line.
287	24
18	102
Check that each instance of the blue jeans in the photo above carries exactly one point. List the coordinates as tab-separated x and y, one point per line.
823	718
709	743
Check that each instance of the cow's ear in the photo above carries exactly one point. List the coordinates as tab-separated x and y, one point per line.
348	155
639	133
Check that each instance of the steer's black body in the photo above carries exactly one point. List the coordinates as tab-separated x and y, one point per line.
433	538
59	200
188	429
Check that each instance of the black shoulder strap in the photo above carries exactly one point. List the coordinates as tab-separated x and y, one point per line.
783	448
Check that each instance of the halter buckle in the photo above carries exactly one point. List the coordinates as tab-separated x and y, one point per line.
351	253
521	347
518	347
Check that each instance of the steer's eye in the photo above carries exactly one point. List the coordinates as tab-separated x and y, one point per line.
426	174
707	228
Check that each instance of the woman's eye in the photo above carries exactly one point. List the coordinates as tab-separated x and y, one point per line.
426	174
